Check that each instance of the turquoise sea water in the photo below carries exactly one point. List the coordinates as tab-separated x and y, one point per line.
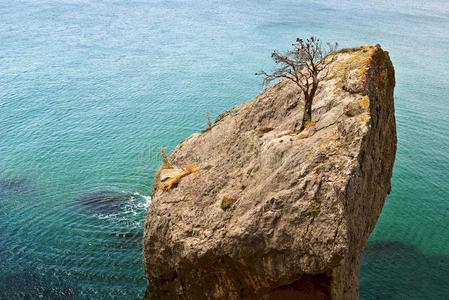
90	90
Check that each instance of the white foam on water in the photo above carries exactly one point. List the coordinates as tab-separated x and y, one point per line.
131	213
146	203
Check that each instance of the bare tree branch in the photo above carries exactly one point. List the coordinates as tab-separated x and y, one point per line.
306	65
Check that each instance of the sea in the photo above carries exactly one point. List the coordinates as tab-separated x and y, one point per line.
91	90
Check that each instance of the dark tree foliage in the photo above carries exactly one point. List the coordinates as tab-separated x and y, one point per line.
306	65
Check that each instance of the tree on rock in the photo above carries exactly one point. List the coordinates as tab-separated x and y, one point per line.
306	65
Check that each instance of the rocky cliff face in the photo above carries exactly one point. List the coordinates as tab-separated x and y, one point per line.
252	209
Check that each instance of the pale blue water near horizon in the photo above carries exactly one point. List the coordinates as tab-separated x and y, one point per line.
89	91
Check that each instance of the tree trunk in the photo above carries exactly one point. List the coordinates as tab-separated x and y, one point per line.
308	99
307	116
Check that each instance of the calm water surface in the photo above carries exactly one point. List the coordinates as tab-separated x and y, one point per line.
89	91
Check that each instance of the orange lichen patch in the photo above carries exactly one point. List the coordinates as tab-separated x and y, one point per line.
191	168
364	102
173	182
367	61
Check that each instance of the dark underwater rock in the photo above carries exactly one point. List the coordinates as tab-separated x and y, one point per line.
14	185
127	240
383	248
104	201
396	270
128	235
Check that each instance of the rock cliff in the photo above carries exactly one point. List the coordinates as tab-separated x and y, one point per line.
252	209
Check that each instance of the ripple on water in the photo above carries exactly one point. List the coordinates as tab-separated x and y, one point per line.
82	239
34	285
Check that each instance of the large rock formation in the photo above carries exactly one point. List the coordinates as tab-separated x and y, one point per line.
252	209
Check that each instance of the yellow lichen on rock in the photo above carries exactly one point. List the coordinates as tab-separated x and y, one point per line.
358	63
364	102
364	119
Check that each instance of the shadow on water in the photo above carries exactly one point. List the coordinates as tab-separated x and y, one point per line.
392	270
33	285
